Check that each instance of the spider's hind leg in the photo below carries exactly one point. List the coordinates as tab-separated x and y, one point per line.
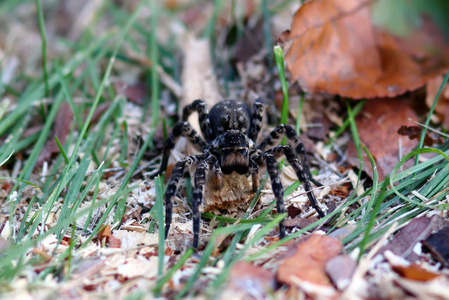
301	172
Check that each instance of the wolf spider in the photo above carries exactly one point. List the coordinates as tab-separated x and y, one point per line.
230	131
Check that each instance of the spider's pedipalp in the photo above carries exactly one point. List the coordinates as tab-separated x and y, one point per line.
276	185
218	182
254	168
203	115
172	187
259	107
300	170
184	129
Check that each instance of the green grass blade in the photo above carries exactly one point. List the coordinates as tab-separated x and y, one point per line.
279	60
160	221
426	125
40	18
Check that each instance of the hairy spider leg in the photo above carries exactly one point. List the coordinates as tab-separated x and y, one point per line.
300	171
276	185
198	191
256	119
184	129
203	115
274	139
172	187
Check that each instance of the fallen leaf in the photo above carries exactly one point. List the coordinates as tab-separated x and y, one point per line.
405	240
320	129
442	106
43	255
377	124
293	211
133	268
340	270
415	272
249	281
341	233
341	191
414	133
114	242
344	47
309	261
299	222
104	234
438	245
99	111
249	43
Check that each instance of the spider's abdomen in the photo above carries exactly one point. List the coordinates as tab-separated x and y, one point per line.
228	115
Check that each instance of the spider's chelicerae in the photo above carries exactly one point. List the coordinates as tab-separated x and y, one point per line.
230	131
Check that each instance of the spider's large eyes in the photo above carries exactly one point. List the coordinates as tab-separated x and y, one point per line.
235	160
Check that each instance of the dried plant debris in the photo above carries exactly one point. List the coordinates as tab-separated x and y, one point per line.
247	281
417	230
438	245
414	133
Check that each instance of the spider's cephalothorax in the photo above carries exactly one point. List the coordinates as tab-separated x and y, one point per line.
230	131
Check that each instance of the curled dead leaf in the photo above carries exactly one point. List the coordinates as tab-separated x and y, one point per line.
343	47
104	234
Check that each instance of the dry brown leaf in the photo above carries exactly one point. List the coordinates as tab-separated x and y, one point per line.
309	261
105	233
377	126
334	48
300	222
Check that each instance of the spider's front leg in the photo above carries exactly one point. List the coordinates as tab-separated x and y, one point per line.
184	129
172	187
275	138
276	185
301	172
203	115
259	107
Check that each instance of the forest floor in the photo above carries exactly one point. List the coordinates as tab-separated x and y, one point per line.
89	92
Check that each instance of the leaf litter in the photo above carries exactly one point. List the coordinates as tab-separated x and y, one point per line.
123	259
